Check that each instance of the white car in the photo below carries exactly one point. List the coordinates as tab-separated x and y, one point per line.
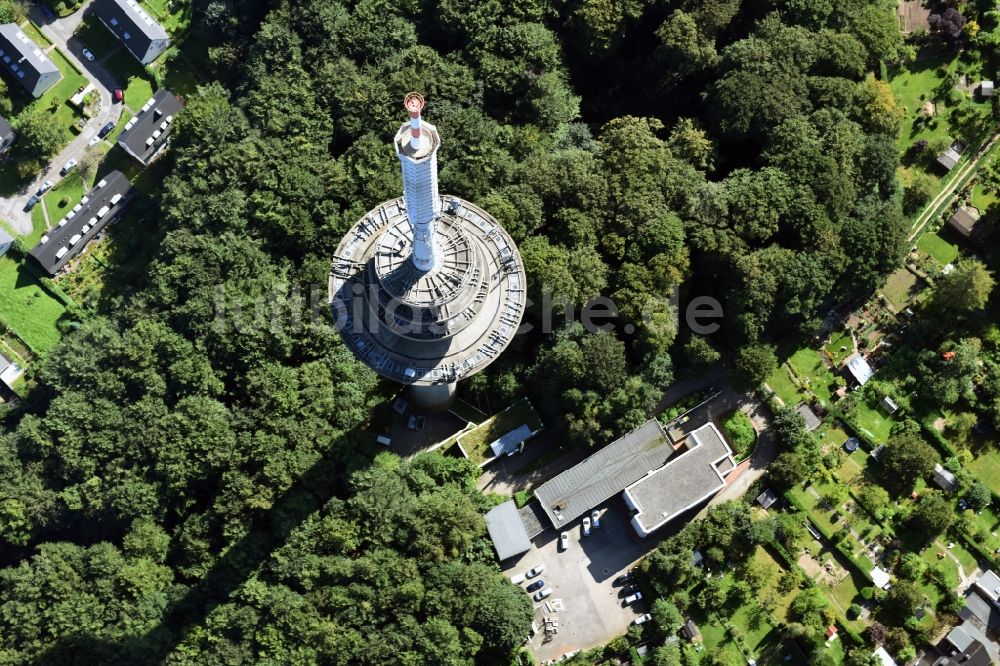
563	541
632	598
541	594
517	579
67	167
531	573
94	140
586	527
44	187
88	55
642	619
595	517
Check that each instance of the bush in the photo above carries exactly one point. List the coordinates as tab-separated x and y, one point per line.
740	431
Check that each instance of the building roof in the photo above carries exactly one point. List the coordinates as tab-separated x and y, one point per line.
82	224
964	220
985	87
682	483
690	630
971	645
944	479
958	637
949	158
510	441
5	237
138	31
146	133
25	60
6	131
978	610
812	421
859	368
880	577
507	531
605	473
767	498
4	363
886	658
989	586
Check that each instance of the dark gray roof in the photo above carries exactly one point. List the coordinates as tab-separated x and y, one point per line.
146	133
25	61
979	610
506	530
87	219
685	481
964	220
949	158
137	30
605	473
6	133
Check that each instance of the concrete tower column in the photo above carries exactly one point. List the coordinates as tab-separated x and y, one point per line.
416	145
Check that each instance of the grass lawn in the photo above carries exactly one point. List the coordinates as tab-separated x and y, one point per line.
476	442
873	421
173	21
902	287
134	78
70	189
783	386
986	467
840	339
942	251
812	371
33	33
982	198
27	308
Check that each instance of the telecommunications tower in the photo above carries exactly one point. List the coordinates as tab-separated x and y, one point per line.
426	289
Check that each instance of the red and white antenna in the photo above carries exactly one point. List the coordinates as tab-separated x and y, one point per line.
414	103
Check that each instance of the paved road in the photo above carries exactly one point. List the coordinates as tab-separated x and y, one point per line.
60	33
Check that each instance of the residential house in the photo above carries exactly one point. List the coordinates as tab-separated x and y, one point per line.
988	585
99	207
966	644
138	31
857	368
145	135
25	61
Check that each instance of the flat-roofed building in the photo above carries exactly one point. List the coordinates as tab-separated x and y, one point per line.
604	474
138	31
684	482
25	61
145	135
83	223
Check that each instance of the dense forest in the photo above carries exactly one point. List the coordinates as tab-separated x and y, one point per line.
196	489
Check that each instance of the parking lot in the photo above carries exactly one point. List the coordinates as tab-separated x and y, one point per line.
588	608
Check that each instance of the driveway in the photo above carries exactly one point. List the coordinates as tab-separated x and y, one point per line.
60	33
589	610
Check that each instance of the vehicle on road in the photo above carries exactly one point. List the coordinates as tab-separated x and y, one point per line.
642	619
45	187
531	573
541	594
32	200
624	578
106	130
88	55
537	585
586	526
563	541
632	598
119	95
67	167
595	518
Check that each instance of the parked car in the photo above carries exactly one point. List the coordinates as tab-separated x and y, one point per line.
630	589
517	579
537	585
642	619
531	573
67	167
106	130
595	517
624	578
416	422
384	440
563	541
45	187
632	598
541	594
94	140
119	95
586	526
88	55
32	200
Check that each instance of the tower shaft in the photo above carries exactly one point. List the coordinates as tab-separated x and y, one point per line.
416	146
